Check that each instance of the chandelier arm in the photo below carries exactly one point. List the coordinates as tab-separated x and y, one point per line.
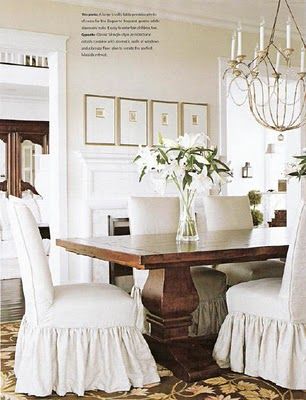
253	105
226	72
230	92
277	101
296	25
279	50
285	103
270	96
237	84
293	121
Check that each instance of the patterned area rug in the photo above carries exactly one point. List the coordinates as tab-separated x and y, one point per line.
226	387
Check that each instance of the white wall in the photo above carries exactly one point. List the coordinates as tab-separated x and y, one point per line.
245	142
24	93
24	108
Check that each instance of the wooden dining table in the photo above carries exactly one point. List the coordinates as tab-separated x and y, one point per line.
169	293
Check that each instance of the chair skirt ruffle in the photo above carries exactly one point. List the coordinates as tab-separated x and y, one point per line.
78	359
262	347
208	317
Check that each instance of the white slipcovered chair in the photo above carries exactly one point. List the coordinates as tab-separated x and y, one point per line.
233	212
160	215
73	337
264	333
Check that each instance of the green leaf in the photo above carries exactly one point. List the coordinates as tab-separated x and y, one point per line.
136	158
187	180
143	172
163	154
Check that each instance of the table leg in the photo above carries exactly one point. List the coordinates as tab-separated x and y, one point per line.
170	297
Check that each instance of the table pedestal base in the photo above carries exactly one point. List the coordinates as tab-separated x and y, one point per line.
170	297
189	359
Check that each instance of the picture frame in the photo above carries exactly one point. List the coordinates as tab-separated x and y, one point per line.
164	120
100	120
133	121
194	118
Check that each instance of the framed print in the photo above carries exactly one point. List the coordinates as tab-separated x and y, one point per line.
133	122
164	119
194	118
99	120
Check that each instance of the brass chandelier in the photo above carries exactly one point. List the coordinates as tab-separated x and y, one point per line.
275	92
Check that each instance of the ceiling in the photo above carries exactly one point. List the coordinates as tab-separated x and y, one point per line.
219	13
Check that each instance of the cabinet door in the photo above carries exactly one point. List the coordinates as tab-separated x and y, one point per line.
27	162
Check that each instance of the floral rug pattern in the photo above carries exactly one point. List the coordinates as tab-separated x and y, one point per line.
229	386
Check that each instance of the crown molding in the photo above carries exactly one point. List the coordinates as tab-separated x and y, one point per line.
24	99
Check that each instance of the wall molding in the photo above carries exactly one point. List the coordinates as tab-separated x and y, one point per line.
24	99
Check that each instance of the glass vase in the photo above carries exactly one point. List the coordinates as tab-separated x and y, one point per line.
187	229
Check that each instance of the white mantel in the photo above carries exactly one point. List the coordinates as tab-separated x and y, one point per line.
109	178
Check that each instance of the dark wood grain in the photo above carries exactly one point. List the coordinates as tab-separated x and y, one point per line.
156	251
13	133
169	293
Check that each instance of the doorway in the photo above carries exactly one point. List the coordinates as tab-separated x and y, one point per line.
54	48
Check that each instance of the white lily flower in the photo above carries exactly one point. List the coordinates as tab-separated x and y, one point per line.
172	155
191	140
164	167
200	182
172	170
169	143
289	168
146	158
216	177
201	159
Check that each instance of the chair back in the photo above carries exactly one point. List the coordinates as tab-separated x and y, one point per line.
34	268
227	212
293	289
152	215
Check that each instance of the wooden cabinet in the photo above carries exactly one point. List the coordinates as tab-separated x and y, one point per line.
13	133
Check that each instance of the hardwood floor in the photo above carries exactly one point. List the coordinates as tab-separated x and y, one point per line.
12	300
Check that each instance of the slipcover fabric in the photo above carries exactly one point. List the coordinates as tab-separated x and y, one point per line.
264	333
74	337
233	212
160	215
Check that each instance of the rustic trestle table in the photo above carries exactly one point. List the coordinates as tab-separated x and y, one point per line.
169	293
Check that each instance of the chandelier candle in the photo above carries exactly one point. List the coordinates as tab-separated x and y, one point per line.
233	46
277	61
239	34
262	35
288	34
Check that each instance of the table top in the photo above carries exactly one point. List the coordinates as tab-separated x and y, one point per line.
160	251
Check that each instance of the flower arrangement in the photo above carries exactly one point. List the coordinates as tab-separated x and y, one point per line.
297	169
191	165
